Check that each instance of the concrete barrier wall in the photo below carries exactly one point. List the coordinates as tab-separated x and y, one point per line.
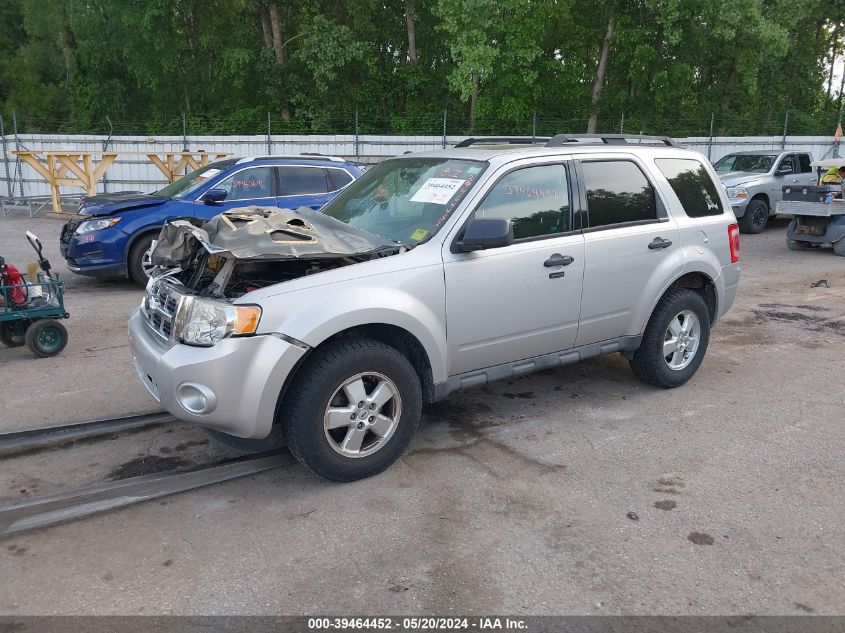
136	173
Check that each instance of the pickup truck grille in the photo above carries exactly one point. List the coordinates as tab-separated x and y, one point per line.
161	304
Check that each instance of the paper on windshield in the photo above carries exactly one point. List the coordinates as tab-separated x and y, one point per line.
437	190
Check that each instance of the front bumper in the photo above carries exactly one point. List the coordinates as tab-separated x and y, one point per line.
240	379
738	205
97	254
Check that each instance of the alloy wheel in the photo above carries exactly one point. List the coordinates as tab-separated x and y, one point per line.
362	414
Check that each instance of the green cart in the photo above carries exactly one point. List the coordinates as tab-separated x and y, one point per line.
30	313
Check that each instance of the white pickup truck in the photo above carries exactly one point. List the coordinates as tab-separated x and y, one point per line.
755	182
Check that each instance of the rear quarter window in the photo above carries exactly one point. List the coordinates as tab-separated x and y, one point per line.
692	184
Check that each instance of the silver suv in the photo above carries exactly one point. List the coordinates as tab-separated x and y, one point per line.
435	272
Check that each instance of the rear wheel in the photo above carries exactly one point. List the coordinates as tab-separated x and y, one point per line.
137	262
13	333
352	410
839	247
755	218
46	338
675	340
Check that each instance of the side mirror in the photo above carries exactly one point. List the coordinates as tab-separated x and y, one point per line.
783	170
213	196
483	233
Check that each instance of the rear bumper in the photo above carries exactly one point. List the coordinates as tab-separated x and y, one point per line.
232	387
727	284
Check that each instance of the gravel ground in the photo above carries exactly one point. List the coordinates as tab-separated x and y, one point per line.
573	491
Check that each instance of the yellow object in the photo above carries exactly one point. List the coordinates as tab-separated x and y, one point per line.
174	169
419	235
831	177
246	319
32	272
86	169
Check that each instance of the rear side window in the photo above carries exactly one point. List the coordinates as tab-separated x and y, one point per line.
302	181
535	199
617	191
804	160
693	186
339	178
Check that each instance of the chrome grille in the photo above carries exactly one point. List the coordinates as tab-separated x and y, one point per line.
161	304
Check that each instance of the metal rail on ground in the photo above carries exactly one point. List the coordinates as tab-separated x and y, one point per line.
49	510
37	438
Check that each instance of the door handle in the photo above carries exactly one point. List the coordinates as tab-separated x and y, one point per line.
558	260
659	242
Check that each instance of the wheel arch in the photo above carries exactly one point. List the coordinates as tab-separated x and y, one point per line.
392	335
699	281
137	235
764	197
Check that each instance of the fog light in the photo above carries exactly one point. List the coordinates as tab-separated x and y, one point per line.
196	398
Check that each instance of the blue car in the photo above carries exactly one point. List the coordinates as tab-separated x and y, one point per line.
112	234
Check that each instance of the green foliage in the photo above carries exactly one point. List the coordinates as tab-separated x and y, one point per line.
67	65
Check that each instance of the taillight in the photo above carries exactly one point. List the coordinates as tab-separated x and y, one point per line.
733	238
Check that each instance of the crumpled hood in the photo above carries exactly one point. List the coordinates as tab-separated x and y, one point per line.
737	178
265	233
110	203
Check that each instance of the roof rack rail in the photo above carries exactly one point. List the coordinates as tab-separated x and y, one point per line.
302	156
559	140
509	140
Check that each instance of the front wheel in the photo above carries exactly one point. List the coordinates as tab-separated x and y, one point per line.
46	338
755	218
839	247
352	409
675	340
138	262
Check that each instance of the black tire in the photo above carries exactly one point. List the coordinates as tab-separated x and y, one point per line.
135	259
46	338
648	362
13	333
755	218
244	446
320	379
796	245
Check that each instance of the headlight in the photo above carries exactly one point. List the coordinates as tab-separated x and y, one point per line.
737	192
207	322
96	225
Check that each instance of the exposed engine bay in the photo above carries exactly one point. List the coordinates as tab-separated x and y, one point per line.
244	249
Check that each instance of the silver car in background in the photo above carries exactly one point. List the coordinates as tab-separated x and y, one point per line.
436	272
755	181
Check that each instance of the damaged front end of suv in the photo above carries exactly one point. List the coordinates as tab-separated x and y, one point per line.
200	269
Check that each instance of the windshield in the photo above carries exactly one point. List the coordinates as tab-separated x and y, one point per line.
757	163
406	200
190	182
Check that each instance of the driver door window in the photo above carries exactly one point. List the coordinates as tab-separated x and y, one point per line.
535	199
257	183
787	165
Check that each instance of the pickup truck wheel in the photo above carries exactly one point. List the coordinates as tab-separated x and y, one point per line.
755	218
352	410
136	262
839	247
675	340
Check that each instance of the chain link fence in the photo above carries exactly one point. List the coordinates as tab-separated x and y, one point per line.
363	136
